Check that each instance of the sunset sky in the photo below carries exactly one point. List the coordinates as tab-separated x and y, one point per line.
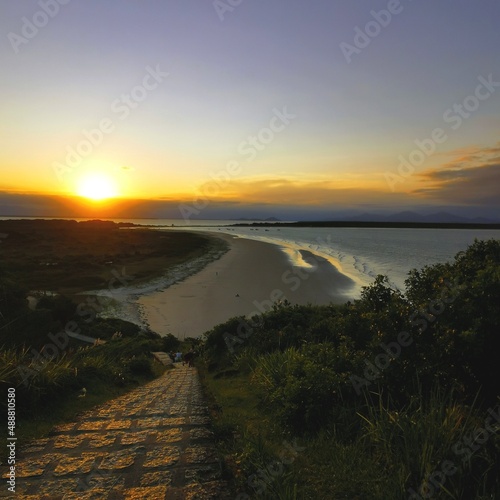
249	108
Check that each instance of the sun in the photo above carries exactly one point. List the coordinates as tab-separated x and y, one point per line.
97	187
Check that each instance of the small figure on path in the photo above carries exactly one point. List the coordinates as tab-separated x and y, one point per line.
189	358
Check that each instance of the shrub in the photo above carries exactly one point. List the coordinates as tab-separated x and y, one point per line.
170	343
141	365
306	388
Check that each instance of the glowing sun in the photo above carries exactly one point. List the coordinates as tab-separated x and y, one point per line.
97	187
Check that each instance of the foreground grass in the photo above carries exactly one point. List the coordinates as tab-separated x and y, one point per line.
245	432
377	454
267	463
330	469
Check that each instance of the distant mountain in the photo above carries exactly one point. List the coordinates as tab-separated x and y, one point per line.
414	217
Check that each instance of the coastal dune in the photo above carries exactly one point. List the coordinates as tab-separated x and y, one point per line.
246	280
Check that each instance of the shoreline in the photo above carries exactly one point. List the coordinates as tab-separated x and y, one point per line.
244	281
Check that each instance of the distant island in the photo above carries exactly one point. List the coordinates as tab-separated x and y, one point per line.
268	219
406	219
420	225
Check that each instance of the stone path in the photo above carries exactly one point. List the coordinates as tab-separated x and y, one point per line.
152	443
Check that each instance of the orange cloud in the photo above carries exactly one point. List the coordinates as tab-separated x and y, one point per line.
472	177
284	191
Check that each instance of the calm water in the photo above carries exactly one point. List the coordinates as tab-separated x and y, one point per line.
360	253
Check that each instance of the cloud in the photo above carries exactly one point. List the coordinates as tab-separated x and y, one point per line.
284	191
471	178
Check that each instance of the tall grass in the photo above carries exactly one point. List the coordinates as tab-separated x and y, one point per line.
21	368
267	475
271	369
9	360
38	381
412	443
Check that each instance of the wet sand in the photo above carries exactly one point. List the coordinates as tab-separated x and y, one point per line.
247	279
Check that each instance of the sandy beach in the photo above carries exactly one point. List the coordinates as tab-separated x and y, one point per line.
247	279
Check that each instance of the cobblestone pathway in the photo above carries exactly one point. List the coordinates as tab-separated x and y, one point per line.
152	443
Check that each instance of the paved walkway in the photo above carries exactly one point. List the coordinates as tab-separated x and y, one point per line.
152	443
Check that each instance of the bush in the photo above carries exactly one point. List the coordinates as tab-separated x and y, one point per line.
105	328
61	307
170	343
140	366
306	388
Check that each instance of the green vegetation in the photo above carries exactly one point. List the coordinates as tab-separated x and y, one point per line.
395	395
68	257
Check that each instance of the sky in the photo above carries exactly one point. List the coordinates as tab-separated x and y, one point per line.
249	108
